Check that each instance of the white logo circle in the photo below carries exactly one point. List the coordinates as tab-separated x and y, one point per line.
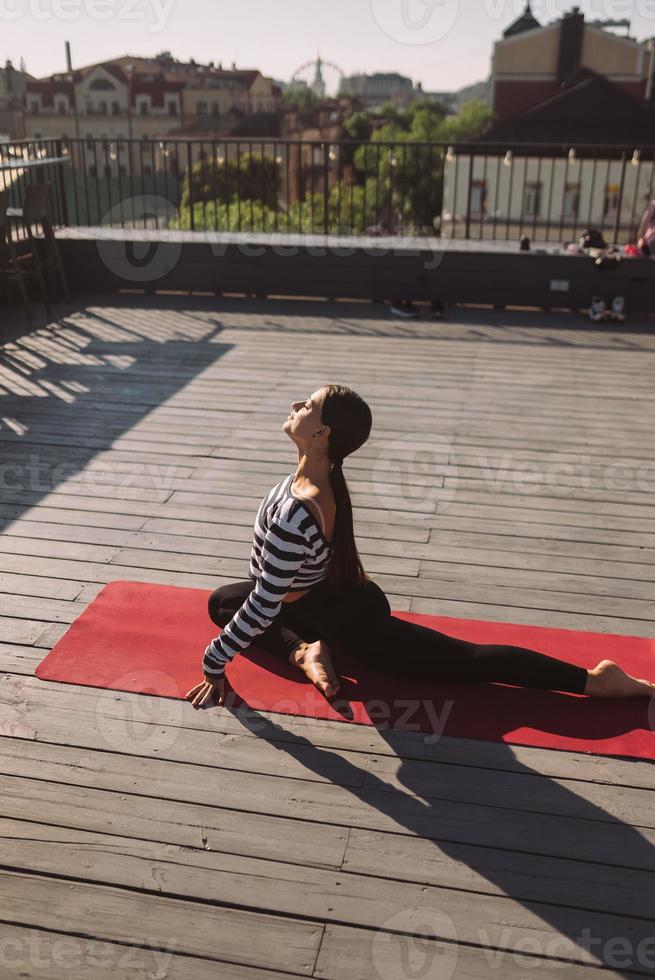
427	951
410	478
139	257
133	724
415	21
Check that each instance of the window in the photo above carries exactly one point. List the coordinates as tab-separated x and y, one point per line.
93	170
571	200
102	85
532	198
172	108
89	141
115	108
122	170
478	197
62	108
34	106
147	169
201	108
611	203
143	108
36	136
102	108
215	109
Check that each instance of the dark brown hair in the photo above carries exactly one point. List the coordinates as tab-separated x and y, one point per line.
350	420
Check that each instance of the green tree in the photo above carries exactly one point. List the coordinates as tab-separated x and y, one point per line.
410	176
252	176
237	214
300	98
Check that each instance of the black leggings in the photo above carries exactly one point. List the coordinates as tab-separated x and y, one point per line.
361	623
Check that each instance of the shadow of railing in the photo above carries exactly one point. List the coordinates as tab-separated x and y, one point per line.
71	387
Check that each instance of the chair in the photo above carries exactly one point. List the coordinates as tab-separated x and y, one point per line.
10	264
36	211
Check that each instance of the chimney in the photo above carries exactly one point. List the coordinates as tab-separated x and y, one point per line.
69	63
571	33
9	77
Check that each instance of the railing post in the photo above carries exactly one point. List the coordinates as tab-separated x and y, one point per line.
326	181
617	222
189	164
468	200
62	185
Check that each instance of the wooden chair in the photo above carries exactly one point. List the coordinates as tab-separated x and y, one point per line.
36	211
10	263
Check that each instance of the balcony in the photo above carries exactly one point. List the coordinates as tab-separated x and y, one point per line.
367	220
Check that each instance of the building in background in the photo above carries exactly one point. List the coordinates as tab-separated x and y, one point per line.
149	100
12	89
314	162
571	83
376	89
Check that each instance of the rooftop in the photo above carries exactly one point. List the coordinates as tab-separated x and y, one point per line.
305	847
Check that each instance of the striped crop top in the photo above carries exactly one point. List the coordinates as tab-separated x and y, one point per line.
289	552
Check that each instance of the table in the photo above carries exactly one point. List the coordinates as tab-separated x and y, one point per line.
33	163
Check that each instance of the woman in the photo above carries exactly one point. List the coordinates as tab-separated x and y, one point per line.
307	585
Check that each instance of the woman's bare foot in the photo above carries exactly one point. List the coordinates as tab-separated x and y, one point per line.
315	661
608	680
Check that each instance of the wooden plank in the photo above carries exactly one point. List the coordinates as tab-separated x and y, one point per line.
577	832
247	722
182	926
320	894
101	725
359	954
37	585
36	953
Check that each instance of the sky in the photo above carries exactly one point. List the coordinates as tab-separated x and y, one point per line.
444	44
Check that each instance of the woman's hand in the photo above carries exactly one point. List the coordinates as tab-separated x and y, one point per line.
204	692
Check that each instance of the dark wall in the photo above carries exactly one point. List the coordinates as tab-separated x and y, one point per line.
464	272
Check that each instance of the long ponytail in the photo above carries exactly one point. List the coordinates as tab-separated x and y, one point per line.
350	420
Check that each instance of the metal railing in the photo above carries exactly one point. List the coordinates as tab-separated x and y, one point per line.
471	190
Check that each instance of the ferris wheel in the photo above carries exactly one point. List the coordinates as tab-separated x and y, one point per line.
323	77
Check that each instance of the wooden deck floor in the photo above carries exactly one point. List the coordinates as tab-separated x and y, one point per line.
143	839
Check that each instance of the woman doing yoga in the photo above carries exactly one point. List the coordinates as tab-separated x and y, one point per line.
307	588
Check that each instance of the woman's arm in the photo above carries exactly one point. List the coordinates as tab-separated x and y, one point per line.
284	550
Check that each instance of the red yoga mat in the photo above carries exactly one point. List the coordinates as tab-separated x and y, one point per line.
150	639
